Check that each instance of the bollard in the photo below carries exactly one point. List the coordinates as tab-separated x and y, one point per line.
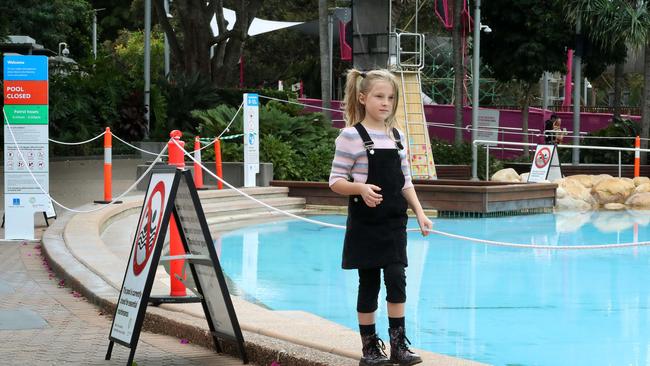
108	168
198	172
637	157
219	166
176	158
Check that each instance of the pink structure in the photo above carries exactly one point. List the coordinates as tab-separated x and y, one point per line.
442	116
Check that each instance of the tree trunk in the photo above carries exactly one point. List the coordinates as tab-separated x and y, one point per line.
459	69
618	86
645	112
197	36
324	56
524	117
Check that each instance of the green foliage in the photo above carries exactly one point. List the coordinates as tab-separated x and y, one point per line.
129	50
300	145
50	22
617	128
461	154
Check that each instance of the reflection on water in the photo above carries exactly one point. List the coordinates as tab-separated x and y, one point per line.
492	304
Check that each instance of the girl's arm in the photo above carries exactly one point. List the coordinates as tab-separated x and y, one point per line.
414	203
367	191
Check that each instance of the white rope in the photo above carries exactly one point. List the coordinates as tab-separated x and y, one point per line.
461	237
302	104
78	143
137	148
224	131
22	157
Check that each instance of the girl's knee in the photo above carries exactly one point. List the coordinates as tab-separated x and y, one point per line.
395	280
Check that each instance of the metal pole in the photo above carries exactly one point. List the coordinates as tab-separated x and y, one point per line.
575	158
330	36
487	162
545	92
417	8
475	83
619	163
95	34
147	63
167	64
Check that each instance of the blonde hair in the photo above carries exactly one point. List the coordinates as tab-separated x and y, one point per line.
358	83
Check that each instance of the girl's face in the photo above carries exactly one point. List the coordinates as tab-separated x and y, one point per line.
378	101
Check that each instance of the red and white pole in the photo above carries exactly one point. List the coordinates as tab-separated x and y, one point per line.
108	167
198	172
219	165
637	156
177	159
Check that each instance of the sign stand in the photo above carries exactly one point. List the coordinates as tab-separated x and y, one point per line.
172	192
546	164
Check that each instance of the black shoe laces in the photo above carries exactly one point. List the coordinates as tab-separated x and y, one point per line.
405	342
380	346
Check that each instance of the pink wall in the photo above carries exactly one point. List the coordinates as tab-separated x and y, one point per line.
444	114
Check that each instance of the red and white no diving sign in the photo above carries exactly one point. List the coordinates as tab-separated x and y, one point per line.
149	226
546	164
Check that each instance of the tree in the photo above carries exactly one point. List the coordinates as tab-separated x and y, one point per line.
50	22
616	25
192	39
324	56
528	37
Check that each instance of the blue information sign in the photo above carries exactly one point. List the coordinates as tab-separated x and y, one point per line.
25	67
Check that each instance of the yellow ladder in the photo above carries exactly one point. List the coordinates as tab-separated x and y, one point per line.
411	120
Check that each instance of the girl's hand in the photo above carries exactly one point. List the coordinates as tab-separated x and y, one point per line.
425	224
369	195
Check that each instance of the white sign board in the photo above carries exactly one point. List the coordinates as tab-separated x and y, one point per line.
251	139
488	125
546	165
150	228
26	158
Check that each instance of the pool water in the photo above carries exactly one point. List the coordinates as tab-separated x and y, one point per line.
498	305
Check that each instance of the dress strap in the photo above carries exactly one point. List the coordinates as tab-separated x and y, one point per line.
365	137
398	139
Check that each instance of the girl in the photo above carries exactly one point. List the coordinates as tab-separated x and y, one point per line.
370	151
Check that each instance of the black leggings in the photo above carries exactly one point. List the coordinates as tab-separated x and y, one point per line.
370	282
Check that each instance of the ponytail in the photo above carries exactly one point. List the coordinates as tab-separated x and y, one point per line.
354	111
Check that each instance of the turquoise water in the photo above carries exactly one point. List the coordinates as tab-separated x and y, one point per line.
503	306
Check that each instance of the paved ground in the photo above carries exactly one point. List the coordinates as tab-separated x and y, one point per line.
42	322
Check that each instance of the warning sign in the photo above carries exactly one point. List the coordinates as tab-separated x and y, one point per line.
546	164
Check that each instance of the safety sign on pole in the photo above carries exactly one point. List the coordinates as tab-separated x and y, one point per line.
251	139
171	193
26	157
546	165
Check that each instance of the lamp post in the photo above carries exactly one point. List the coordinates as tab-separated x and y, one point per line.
167	61
95	11
65	52
147	63
476	77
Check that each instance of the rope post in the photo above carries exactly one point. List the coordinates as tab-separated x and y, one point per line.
219	165
198	172
177	159
637	156
108	168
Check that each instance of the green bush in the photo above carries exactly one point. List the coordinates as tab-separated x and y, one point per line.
444	153
617	128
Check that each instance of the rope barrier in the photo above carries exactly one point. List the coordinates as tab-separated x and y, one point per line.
302	104
438	232
135	147
22	157
225	129
77	143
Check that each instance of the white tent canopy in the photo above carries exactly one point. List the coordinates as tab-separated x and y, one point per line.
258	26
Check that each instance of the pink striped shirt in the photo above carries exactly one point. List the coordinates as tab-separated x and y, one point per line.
350	159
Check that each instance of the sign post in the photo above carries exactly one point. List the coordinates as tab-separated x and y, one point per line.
546	164
173	194
251	139
26	143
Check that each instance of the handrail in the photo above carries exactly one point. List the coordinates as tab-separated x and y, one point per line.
418	52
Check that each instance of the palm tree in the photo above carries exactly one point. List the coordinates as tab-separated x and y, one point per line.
616	25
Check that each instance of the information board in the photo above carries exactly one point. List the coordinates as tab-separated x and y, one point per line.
251	138
26	145
488	125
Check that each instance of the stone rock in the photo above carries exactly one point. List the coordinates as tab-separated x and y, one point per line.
523	177
642	188
575	190
595	179
505	175
560	192
614	206
640	180
572	204
612	190
585	180
639	201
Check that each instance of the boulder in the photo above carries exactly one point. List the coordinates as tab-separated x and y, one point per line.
572	204
595	179
523	177
612	190
585	180
640	180
642	188
575	190
505	175
639	201
614	206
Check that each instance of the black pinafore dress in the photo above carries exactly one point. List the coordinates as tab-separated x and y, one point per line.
376	236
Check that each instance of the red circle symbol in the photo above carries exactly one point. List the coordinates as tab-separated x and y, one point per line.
542	157
149	228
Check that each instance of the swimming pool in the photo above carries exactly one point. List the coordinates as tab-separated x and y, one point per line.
499	305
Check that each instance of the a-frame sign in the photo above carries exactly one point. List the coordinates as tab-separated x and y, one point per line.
172	192
546	164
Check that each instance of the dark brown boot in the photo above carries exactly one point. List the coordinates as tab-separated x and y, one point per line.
400	354
374	351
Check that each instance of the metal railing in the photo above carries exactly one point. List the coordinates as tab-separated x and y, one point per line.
415	57
488	142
